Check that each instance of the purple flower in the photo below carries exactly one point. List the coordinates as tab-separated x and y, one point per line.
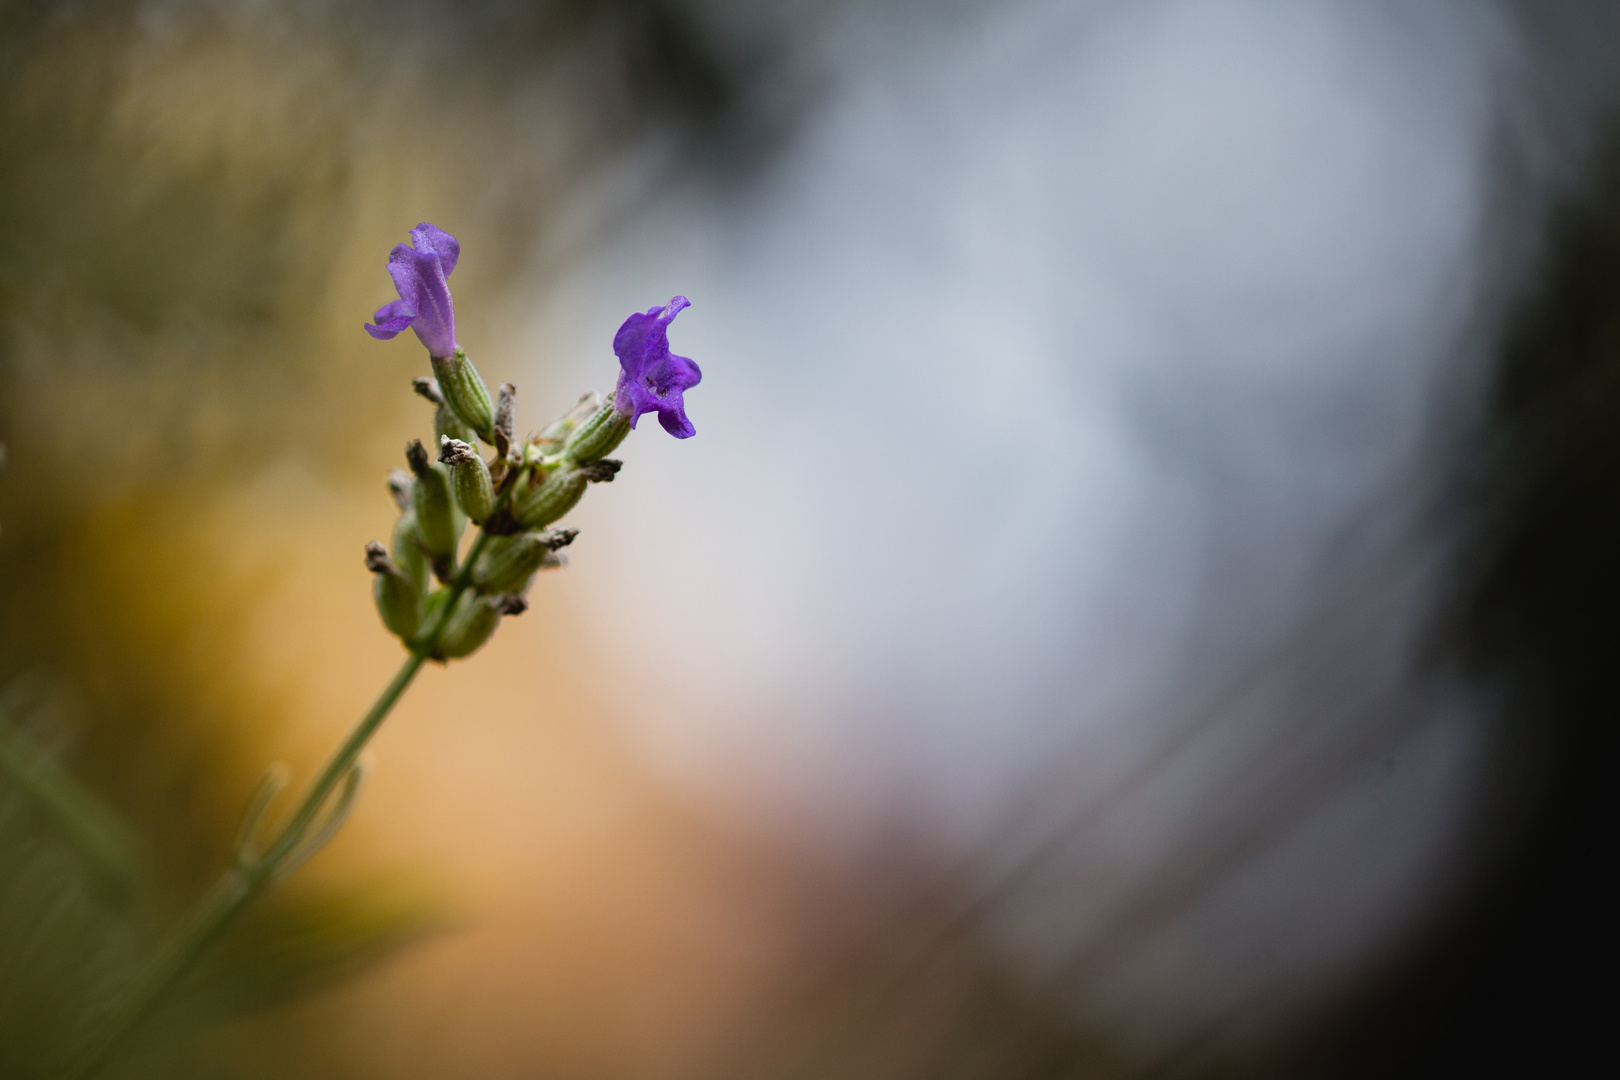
652	379
419	274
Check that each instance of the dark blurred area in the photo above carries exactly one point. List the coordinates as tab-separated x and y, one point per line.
195	203
1508	983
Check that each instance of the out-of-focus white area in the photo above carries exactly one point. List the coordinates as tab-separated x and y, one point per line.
1053	366
979	346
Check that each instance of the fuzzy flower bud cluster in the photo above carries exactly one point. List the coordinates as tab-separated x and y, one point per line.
444	602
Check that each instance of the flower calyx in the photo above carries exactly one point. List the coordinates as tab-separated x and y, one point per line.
475	490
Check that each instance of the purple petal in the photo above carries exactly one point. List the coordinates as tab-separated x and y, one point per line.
424	305
392	317
642	339
432	240
676	423
393	312
419	277
651	378
631	346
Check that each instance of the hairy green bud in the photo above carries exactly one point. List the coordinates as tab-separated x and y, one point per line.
475	490
599	435
406	547
432	606
551	439
439	519
445	420
554	496
473	622
545	502
464	391
510	562
399	601
447	425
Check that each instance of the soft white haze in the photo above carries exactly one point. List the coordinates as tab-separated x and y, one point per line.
1054	371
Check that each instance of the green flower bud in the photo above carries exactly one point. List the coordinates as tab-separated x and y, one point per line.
406	546
439	519
447	425
445	420
598	436
464	391
469	626
475	490
435	601
550	440
399	601
545	502
510	562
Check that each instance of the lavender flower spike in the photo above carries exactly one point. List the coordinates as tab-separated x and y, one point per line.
651	378
419	273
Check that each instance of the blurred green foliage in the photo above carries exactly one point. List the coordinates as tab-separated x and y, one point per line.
81	909
195	204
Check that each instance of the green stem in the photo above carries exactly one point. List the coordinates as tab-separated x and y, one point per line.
341	763
241	884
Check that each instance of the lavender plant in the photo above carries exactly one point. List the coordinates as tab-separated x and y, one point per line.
441	597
